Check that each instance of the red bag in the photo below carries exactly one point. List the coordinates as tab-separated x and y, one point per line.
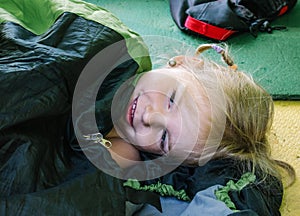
220	19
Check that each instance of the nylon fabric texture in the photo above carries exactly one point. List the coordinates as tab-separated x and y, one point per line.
25	14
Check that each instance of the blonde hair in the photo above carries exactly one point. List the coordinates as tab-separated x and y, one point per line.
248	110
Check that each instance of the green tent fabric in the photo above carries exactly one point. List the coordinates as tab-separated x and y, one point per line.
272	59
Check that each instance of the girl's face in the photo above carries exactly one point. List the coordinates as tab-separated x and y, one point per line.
168	113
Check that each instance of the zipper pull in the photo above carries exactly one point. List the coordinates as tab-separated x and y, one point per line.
98	138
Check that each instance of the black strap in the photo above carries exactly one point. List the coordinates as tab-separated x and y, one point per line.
140	197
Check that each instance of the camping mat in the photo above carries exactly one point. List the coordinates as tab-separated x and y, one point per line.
285	142
273	59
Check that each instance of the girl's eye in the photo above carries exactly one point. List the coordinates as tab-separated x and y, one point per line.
163	140
171	100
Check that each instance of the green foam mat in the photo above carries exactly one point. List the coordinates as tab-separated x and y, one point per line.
273	59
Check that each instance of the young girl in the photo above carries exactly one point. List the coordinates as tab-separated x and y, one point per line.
215	121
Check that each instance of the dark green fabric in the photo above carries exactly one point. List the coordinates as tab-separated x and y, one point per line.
38	16
92	194
272	59
40	173
142	197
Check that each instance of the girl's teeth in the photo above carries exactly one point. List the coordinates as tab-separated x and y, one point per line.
133	109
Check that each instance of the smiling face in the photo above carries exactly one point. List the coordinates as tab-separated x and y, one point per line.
168	113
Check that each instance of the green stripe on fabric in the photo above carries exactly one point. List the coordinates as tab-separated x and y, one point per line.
37	16
222	193
162	189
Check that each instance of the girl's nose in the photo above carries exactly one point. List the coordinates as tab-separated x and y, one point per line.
154	117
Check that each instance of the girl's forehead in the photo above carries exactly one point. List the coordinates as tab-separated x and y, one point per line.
169	70
178	74
186	81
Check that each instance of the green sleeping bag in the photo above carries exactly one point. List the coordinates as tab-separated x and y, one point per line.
44	47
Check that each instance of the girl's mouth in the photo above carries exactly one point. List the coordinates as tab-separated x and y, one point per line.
131	111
